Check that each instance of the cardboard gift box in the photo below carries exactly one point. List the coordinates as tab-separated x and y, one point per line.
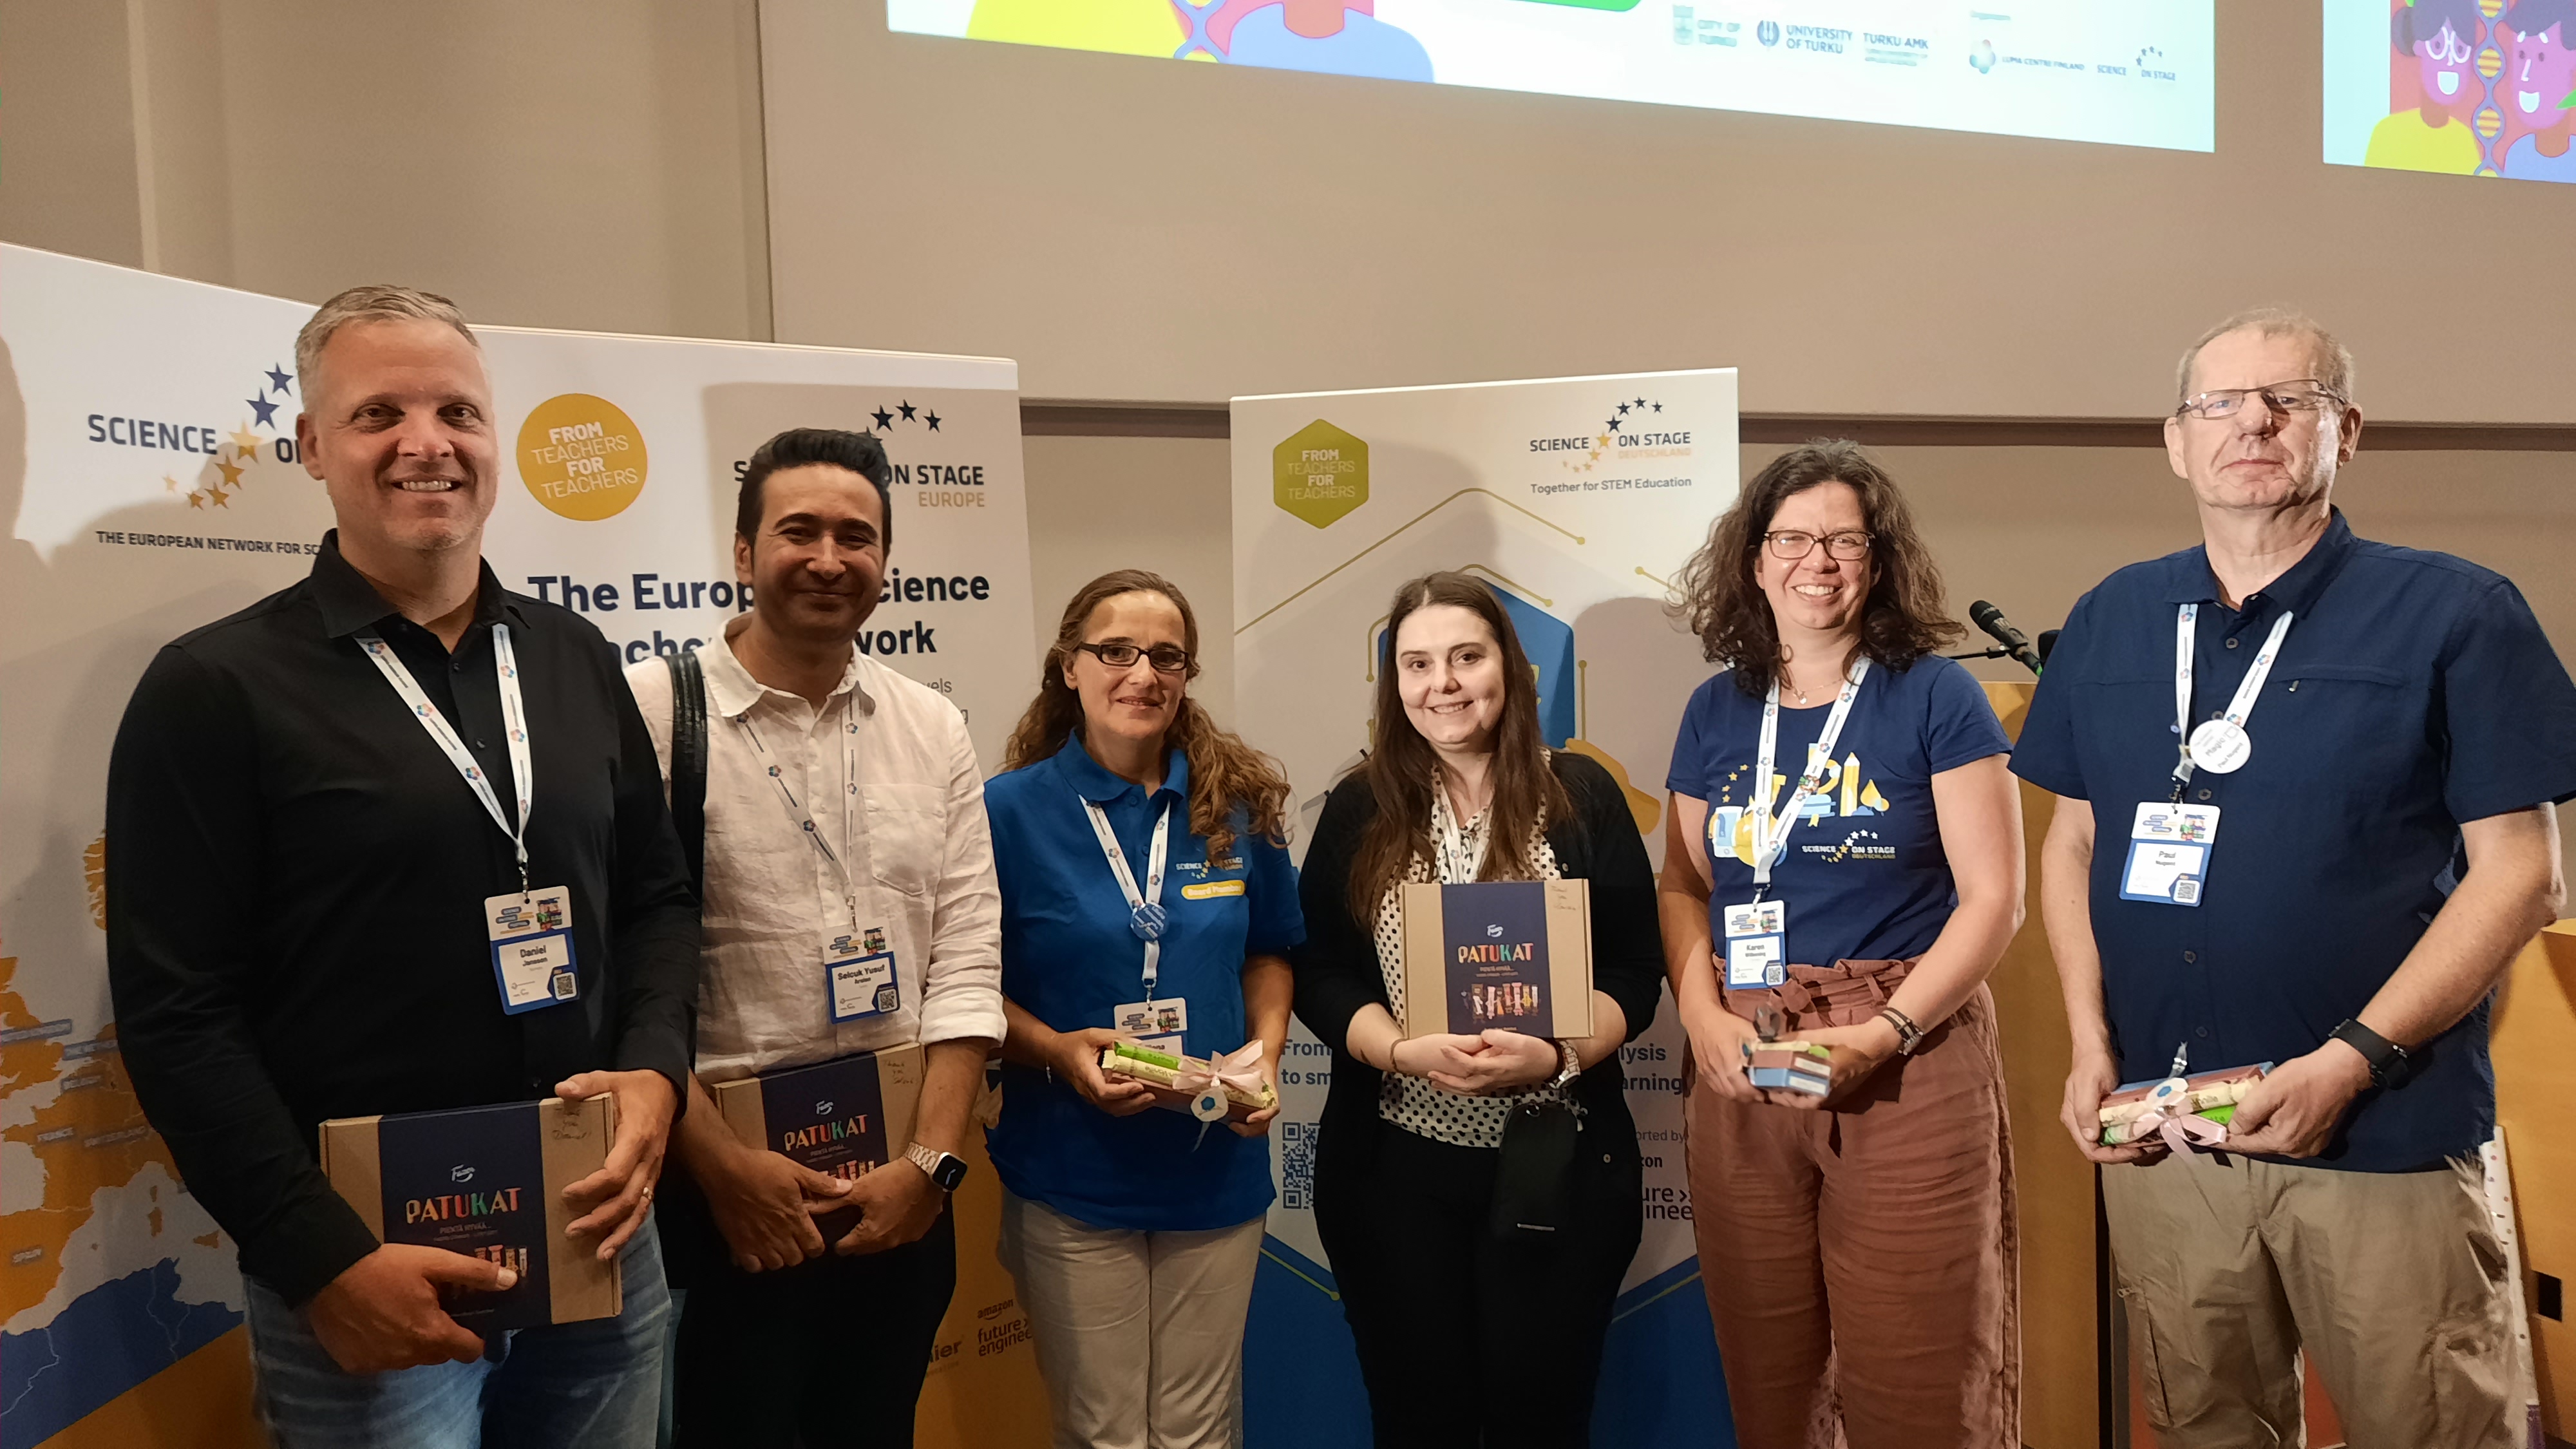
489	1182
2213	1095
1160	1072
1513	954
843	1118
1791	1066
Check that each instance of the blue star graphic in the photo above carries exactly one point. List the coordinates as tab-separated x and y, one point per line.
266	410
278	378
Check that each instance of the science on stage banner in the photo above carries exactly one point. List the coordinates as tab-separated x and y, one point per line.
148	466
1576	500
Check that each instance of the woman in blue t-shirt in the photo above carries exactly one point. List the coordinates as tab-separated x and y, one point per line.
1843	866
1146	893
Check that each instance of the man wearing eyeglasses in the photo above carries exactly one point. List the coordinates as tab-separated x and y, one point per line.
850	907
2305	819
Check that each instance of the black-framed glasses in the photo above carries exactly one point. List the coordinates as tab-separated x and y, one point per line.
1166	658
2298	396
1790	545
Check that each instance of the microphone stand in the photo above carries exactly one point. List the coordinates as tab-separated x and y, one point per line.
1998	652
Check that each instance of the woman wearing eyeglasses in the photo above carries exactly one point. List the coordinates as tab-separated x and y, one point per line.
1843	866
1146	893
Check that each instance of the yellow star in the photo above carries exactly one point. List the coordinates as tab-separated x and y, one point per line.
196	500
244	440
222	499
169	484
1605	440
232	473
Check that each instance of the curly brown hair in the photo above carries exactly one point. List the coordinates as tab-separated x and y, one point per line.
1402	771
1904	617
1224	771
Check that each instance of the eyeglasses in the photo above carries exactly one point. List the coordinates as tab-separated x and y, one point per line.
1166	658
1789	545
2298	396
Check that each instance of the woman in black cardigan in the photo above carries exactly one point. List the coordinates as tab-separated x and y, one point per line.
1472	1331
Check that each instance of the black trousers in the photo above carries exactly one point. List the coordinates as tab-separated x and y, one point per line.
826	1354
1467	1340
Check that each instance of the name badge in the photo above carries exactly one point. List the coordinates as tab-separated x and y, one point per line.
859	976
1157	1024
532	958
1757	945
2169	853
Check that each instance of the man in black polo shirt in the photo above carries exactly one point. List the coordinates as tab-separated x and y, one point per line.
2306	786
311	808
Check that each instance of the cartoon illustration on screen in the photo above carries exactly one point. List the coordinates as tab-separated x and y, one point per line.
2435	90
1338	37
2537	86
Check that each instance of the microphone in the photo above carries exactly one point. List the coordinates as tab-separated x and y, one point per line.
1991	619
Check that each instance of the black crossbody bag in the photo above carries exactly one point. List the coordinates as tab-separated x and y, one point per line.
689	761
1534	1172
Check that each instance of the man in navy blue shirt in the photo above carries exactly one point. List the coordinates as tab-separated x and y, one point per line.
2305	818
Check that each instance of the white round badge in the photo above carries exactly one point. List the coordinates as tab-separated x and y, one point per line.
2221	747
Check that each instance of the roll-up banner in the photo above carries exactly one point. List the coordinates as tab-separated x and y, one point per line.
1576	500
148	465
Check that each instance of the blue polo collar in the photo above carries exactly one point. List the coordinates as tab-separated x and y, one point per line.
1092	780
2192	582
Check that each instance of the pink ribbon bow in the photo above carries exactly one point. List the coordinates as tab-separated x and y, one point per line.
1239	1069
2182	1129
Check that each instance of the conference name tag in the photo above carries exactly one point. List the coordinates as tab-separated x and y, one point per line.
1156	1024
1757	945
2169	853
532	948
858	975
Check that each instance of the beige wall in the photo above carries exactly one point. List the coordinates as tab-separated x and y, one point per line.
592	166
1130	228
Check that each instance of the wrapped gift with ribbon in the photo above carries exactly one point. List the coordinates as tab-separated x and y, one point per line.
1212	1090
2186	1111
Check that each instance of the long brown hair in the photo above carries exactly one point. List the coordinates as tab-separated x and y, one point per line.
1402	770
1224	771
1904	617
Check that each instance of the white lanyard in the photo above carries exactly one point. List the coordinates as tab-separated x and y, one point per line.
2186	627
803	816
1145	916
514	722
1455	861
1771	836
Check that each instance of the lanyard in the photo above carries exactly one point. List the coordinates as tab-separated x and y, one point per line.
1770	836
1457	865
803	817
2186	628
1145	916
514	720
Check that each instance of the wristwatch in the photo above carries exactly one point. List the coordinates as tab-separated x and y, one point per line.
1908	1035
2389	1063
945	1168
1570	1066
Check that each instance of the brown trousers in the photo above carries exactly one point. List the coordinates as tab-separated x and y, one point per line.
1861	1263
2392	1281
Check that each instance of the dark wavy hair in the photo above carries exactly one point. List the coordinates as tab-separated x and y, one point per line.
1904	617
1224	771
861	453
1402	770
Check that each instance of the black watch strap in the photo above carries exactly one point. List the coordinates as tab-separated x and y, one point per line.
2388	1061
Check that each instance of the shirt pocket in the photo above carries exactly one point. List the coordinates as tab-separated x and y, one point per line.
2355	731
907	835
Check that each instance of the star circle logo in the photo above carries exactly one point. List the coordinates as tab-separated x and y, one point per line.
1768	32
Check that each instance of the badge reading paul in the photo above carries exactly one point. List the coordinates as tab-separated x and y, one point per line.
858	975
2169	853
532	948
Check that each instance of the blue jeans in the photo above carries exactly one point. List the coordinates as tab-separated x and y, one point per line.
592	1385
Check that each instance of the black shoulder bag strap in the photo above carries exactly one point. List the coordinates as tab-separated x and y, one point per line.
689	761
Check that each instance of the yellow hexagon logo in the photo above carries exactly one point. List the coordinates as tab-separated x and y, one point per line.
1320	473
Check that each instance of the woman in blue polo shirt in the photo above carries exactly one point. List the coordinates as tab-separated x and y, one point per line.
1146	892
1843	866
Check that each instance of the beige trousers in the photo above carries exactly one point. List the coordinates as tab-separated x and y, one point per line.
2393	1283
1139	1335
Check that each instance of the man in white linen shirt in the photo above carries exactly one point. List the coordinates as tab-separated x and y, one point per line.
843	805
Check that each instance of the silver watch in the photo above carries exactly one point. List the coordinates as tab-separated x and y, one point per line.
1571	1065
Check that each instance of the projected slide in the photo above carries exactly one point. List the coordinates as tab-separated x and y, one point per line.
2133	74
2471	87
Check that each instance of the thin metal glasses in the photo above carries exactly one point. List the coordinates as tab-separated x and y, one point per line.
2299	395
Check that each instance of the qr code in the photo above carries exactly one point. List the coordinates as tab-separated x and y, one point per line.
564	985
1297	1165
2187	892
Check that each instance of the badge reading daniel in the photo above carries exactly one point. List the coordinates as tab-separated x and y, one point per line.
532	948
